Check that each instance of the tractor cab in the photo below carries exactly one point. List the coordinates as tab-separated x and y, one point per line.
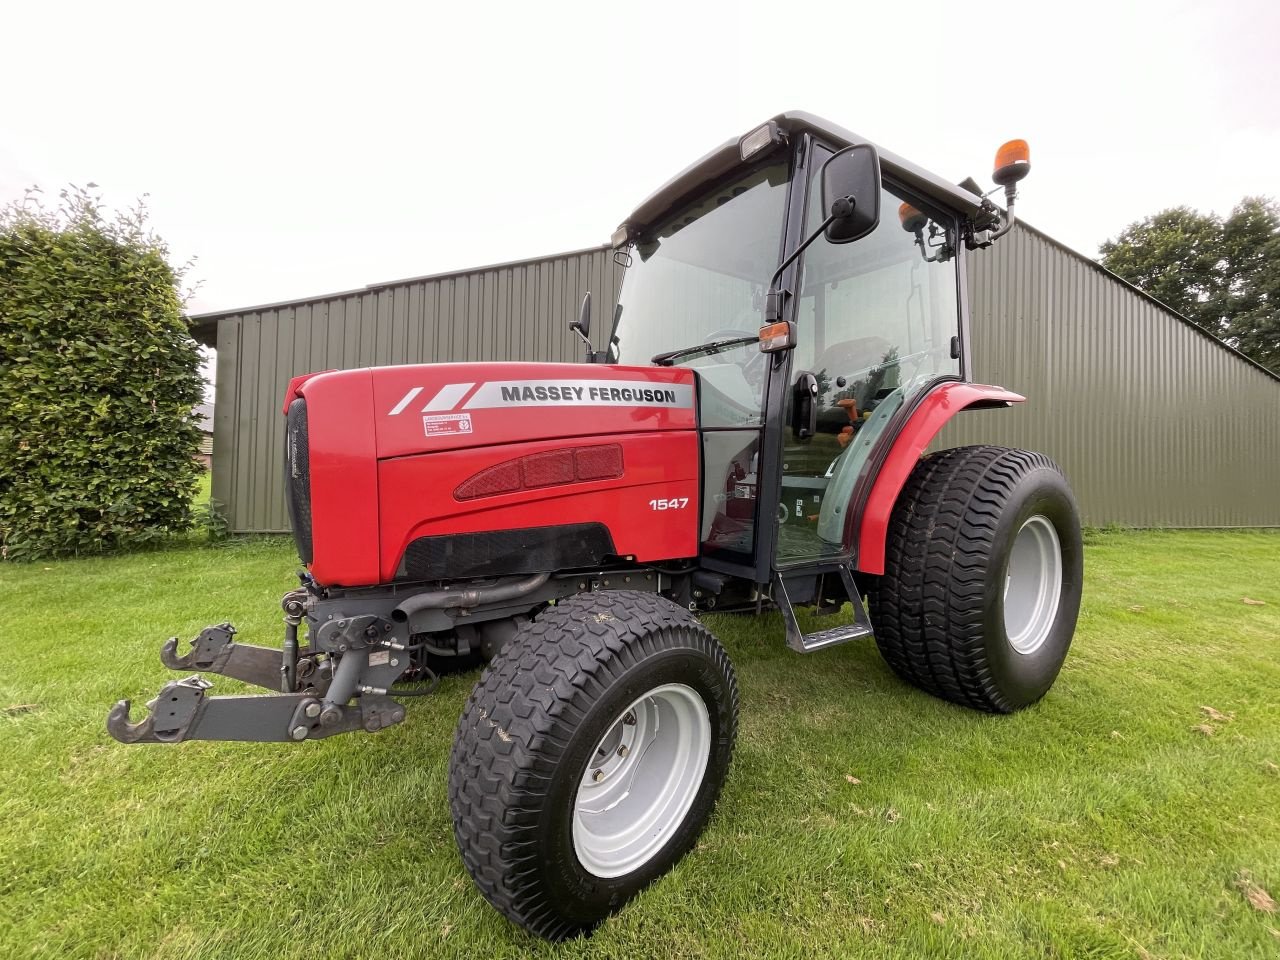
806	379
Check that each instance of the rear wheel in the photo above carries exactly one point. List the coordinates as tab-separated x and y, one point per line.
589	757
982	581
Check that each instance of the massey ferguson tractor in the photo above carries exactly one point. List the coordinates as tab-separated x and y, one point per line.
791	333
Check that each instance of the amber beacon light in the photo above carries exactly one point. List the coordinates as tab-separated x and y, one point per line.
912	219
1013	162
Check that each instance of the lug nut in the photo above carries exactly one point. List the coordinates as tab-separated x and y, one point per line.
299	732
623	751
598	776
630	718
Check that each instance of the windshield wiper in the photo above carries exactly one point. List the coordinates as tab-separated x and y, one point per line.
702	349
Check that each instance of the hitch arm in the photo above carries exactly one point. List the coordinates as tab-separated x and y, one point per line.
182	711
214	651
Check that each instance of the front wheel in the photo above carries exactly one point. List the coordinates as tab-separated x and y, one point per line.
983	575
589	757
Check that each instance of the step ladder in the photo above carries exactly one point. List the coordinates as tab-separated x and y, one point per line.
821	639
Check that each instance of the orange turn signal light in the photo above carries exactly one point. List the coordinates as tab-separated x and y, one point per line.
1013	162
777	336
912	219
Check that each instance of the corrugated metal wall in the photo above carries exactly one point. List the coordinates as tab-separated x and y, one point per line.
1155	423
517	311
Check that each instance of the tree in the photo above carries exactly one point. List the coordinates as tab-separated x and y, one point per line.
1222	274
1252	280
98	375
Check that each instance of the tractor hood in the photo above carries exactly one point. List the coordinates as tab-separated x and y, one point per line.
435	407
380	459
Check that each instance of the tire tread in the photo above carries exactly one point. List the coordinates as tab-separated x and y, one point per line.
927	608
518	722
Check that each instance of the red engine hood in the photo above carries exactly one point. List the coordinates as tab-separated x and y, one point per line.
361	418
449	406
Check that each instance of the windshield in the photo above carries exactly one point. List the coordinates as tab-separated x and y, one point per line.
701	275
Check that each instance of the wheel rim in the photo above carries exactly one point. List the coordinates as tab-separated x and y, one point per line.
1034	585
641	780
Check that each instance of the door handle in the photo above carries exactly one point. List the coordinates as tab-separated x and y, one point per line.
804	406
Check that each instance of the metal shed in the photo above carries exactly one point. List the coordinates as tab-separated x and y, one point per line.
1155	422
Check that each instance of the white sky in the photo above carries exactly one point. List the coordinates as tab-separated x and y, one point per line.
297	149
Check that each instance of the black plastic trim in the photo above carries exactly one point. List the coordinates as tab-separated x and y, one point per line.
499	553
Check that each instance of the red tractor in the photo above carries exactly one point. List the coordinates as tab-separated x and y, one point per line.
751	437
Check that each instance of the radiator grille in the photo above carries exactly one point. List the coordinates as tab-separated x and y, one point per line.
297	477
502	552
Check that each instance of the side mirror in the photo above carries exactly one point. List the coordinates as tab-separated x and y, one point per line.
582	327
851	192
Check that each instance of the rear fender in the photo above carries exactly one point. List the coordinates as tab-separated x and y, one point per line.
931	415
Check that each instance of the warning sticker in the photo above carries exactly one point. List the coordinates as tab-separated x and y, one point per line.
446	423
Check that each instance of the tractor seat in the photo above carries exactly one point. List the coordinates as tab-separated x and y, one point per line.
852	358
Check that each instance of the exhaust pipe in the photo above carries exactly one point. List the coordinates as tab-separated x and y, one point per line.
473	597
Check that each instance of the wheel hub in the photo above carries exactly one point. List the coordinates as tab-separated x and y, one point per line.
1033	587
641	780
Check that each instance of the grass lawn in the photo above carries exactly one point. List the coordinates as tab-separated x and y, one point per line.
1133	813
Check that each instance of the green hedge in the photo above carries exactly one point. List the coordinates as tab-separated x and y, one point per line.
98	376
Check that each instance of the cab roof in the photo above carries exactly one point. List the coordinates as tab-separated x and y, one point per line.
793	123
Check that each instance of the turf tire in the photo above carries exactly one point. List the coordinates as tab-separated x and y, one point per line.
533	722
938	610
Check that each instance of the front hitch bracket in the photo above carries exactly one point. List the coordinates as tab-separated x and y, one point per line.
344	685
214	651
183	711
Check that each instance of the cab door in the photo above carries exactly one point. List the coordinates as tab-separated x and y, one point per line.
878	322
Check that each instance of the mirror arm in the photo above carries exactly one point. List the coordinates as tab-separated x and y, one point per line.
773	300
591	353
